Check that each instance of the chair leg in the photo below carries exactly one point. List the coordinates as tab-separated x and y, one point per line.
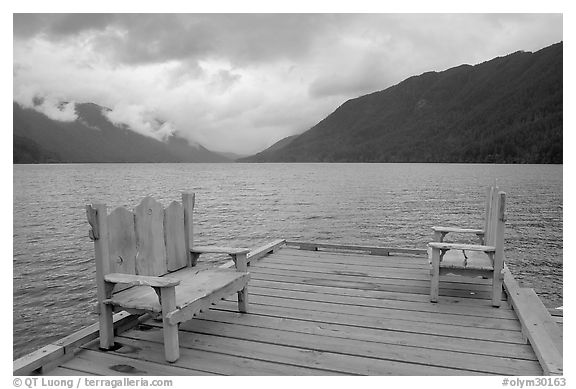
106	326
171	344
435	276
496	289
243	300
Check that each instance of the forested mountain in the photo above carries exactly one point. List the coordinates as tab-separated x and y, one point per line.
506	110
93	138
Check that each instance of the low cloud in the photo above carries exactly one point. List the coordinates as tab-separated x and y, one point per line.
53	107
140	119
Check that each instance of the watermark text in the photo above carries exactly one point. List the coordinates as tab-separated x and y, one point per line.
89	382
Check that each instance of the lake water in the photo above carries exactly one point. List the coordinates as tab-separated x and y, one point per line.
250	204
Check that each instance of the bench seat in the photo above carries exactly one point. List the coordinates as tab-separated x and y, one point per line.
197	290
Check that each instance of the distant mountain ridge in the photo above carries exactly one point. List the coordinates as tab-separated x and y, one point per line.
506	110
93	138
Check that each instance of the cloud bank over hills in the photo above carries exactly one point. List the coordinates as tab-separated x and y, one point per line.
240	82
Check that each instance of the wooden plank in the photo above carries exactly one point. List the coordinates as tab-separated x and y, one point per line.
169	330
447	302
65	372
380	336
375	272
122	241
298	256
359	264
461	246
149	221
30	362
210	362
266	249
109	364
97	218
371	285
195	285
121	320
303	357
414	272
217	292
219	250
263	272
371	250
61	349
537	325
384	303
188	204
422	317
174	235
292	250
415	276
258	253
458	230
133	279
455	331
491	223
389	352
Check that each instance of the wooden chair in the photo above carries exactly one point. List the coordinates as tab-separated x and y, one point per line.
486	260
145	264
441	232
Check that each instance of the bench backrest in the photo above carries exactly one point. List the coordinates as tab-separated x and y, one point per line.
149	240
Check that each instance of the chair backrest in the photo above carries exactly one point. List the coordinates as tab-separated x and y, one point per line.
495	232
149	241
490	198
494	215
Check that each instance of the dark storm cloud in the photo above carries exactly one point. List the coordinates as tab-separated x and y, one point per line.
145	38
58	26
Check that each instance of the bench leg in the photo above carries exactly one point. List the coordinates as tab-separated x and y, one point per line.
106	326
496	289
435	276
243	300
241	262
171	345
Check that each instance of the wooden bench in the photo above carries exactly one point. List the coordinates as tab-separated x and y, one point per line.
486	260
145	264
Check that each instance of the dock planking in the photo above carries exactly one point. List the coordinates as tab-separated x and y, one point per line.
332	313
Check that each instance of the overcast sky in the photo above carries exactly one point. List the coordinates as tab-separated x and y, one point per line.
240	82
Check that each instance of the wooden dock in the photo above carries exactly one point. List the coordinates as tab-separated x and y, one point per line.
320	309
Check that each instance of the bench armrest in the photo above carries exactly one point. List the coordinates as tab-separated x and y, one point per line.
459	246
133	280
239	254
458	230
219	250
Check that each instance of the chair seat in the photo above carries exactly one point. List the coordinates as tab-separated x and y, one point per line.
455	259
194	286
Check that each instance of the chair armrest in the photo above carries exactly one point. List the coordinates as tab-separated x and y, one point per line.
458	230
219	250
133	280
459	246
